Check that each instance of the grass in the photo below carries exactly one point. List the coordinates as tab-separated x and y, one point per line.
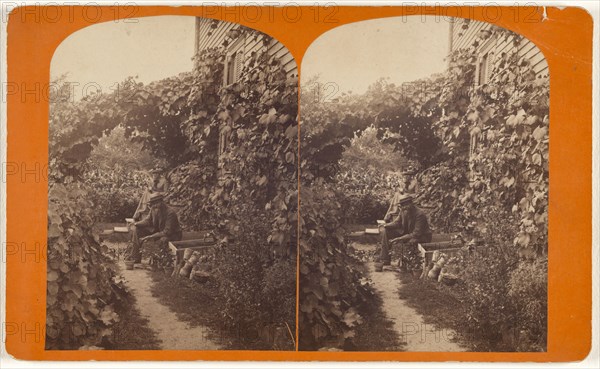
131	332
199	304
437	304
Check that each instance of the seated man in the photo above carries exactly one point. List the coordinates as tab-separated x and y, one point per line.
410	226
160	224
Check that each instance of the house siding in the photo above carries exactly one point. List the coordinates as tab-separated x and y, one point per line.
461	38
217	36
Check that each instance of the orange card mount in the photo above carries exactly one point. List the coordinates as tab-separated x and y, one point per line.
564	36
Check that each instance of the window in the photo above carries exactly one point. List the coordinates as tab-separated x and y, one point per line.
230	69
234	61
485	62
485	66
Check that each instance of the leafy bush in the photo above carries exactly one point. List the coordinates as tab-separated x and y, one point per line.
490	314
258	288
505	300
191	184
369	172
79	309
364	195
528	290
330	288
279	288
115	150
115	193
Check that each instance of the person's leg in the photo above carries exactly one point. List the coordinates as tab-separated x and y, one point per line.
137	232
386	234
162	256
384	251
412	254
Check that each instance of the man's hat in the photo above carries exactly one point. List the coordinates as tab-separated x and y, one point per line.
405	199
156	197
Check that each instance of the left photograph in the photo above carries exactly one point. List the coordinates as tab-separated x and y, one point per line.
172	188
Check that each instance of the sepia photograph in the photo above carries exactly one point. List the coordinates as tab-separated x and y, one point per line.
172	191
424	188
283	183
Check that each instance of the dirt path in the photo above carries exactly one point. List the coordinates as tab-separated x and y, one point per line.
174	334
409	324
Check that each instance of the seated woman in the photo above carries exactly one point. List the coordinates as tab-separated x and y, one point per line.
408	184
158	185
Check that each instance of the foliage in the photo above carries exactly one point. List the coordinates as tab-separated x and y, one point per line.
368	174
494	185
191	183
482	150
504	299
528	290
258	290
152	115
365	194
79	304
114	151
413	136
368	151
253	203
489	312
233	151
330	288
499	132
115	193
279	282
115	175
329	127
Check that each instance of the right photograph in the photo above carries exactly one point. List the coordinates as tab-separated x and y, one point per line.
423	188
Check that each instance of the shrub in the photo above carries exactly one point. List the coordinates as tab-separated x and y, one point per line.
365	193
258	289
190	186
505	299
279	291
528	289
79	309
330	287
115	193
491	316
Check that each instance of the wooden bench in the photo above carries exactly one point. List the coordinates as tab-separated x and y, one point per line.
201	241
449	244
439	241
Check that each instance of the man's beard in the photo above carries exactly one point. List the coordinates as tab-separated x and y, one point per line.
156	211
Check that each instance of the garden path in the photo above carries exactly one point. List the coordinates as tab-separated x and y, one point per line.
408	323
174	333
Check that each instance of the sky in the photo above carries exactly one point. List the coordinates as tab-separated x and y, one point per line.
354	56
152	48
